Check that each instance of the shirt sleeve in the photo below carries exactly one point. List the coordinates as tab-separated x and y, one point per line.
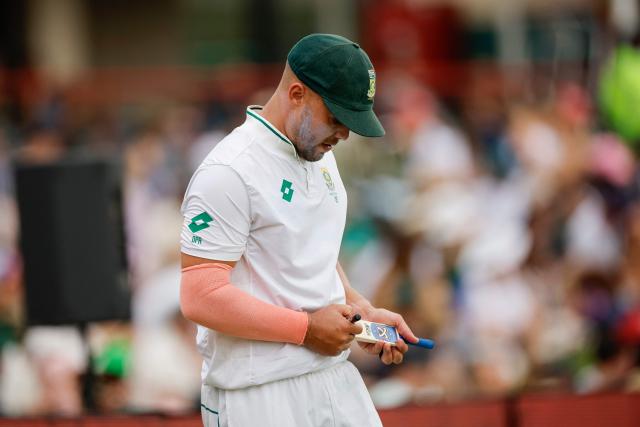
216	215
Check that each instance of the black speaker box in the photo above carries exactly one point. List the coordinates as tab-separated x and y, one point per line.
72	242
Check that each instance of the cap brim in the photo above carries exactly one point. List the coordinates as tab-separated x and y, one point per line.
363	123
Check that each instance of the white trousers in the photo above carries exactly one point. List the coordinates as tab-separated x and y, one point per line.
333	397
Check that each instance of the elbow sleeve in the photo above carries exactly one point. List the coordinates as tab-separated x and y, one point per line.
208	298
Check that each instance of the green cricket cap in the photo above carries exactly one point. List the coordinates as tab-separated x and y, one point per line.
341	72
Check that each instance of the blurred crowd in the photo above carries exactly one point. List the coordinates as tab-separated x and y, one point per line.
504	229
508	232
149	364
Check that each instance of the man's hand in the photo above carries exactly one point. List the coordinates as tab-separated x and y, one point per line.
330	330
389	354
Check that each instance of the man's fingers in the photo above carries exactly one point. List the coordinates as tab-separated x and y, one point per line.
354	328
397	356
348	339
394	319
387	355
402	346
344	347
391	355
371	348
405	331
345	310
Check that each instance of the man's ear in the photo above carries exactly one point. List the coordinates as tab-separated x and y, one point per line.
296	93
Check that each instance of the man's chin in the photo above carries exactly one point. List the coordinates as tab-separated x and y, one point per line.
318	156
313	156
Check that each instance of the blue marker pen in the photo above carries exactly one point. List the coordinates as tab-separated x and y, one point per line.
422	342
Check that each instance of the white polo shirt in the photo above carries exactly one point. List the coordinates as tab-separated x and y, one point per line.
254	201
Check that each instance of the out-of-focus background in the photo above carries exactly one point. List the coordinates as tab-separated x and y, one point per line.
500	214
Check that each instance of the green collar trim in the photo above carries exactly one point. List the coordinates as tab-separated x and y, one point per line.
268	125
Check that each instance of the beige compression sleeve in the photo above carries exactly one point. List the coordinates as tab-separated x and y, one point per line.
208	298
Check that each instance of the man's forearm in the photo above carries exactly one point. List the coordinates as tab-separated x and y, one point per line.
208	298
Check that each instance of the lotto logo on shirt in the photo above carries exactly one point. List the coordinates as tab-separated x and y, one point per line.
287	190
200	222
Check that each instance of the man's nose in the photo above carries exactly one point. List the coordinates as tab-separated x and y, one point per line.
342	132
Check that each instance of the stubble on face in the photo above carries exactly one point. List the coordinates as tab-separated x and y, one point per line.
308	142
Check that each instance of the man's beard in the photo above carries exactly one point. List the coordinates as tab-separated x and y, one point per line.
306	143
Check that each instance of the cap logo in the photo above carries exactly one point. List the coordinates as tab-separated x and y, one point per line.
372	85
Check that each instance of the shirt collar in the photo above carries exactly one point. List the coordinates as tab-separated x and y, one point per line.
279	140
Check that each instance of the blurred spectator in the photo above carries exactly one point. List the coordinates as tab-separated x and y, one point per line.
164	374
59	356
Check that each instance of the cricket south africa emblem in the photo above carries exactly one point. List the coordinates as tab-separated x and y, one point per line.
372	84
329	182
